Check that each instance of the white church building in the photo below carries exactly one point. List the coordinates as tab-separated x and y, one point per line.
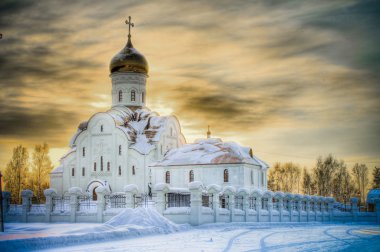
130	144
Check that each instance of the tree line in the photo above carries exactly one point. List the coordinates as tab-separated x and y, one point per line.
23	172
329	178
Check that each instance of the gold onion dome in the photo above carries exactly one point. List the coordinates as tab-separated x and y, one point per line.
129	59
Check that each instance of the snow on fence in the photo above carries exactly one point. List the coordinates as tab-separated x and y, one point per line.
195	205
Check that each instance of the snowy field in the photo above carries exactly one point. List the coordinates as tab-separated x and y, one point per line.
148	231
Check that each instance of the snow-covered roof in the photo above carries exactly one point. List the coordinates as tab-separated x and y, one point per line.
142	127
58	169
210	151
372	195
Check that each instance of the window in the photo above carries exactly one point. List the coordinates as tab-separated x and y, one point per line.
119	150
262	178
143	97
119	170
120	96
83	171
133	95
191	176
108	166
252	179
133	170
167	177
101	163
94	166
225	175
101	128
171	131
72	172
83	151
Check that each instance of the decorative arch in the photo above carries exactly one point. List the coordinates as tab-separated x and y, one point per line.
92	185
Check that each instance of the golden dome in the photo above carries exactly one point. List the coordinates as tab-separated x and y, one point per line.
129	60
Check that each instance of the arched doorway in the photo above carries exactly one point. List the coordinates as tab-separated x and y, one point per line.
94	195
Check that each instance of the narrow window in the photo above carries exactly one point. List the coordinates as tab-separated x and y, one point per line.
171	131
191	176
83	172
225	175
133	95
119	170
120	96
101	128
101	163
143	97
83	151
94	166
262	178
108	166
252	182
133	170
167	177
72	172
119	150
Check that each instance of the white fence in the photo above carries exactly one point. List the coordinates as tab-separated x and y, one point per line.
195	205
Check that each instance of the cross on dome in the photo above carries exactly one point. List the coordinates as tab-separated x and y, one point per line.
129	23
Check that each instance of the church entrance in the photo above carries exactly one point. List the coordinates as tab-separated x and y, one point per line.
94	195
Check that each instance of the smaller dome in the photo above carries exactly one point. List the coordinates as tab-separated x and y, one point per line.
129	60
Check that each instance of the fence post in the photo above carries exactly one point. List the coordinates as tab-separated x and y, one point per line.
130	192
307	199
377	210
214	190
280	207
354	208
74	193
101	191
49	194
230	192
244	194
330	206
6	198
161	190
195	202
26	203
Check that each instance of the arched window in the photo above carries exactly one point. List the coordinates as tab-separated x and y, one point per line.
143	97
83	171
167	177
83	151
94	166
119	170
101	128
133	170
72	172
119	150
191	176
120	96
101	163
133	95
108	166
225	175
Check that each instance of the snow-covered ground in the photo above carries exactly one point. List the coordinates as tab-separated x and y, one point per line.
145	230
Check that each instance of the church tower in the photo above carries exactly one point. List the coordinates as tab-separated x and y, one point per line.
129	71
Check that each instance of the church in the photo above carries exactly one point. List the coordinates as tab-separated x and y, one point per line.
130	144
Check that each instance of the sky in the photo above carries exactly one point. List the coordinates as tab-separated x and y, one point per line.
294	80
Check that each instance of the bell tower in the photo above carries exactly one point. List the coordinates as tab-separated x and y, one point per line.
129	71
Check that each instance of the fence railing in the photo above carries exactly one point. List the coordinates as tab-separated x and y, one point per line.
61	203
177	200
86	204
207	200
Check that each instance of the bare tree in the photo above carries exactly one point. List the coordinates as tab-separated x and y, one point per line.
308	185
41	167
16	172
376	177
284	177
361	177
343	186
323	172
